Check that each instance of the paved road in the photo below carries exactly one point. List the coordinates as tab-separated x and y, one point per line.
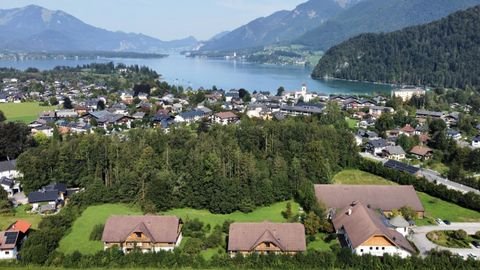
430	175
435	176
420	239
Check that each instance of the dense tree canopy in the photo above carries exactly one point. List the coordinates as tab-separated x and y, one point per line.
223	169
443	53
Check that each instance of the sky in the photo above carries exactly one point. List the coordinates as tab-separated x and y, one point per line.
164	19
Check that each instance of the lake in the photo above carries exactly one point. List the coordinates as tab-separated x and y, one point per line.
225	74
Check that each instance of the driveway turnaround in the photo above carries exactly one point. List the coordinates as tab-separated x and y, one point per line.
424	245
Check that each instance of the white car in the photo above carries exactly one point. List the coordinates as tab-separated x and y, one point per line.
439	221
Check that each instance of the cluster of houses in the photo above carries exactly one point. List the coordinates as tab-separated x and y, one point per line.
359	214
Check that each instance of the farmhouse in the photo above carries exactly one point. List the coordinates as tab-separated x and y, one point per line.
146	233
266	238
422	152
364	232
384	198
225	118
394	152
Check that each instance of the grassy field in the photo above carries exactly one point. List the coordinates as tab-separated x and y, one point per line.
357	177
434	207
438	208
352	123
78	237
270	213
320	243
23	112
19	213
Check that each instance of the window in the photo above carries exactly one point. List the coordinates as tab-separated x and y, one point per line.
7	252
371	248
361	250
138	234
383	248
267	244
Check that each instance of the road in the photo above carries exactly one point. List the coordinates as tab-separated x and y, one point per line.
430	175
420	239
433	176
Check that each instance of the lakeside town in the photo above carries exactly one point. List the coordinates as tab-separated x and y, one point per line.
397	132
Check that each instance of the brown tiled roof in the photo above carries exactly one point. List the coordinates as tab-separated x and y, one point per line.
386	198
363	223
420	150
286	236
408	129
160	229
226	115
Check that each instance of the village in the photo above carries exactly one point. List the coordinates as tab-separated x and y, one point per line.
368	219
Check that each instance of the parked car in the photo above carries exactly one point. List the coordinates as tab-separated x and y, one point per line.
439	221
446	221
476	244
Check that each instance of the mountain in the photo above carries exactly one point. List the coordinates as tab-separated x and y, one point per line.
280	26
375	16
34	28
444	53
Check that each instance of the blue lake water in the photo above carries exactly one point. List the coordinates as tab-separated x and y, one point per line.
226	74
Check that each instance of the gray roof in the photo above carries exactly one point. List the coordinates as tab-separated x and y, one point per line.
7	182
378	143
8	165
304	108
395	150
42	196
429	113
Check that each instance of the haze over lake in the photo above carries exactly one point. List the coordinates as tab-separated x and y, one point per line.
201	72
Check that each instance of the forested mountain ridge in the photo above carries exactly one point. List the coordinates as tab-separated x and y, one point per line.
33	28
444	53
376	16
281	26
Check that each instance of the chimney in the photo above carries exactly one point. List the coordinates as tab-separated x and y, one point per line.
349	212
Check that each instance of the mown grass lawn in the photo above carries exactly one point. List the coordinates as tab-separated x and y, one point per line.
19	213
437	208
78	237
357	177
434	207
268	213
321	243
23	112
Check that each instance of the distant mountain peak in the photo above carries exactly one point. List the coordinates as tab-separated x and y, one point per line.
35	28
281	26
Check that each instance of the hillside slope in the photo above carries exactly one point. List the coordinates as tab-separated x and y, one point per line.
280	26
443	53
375	16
